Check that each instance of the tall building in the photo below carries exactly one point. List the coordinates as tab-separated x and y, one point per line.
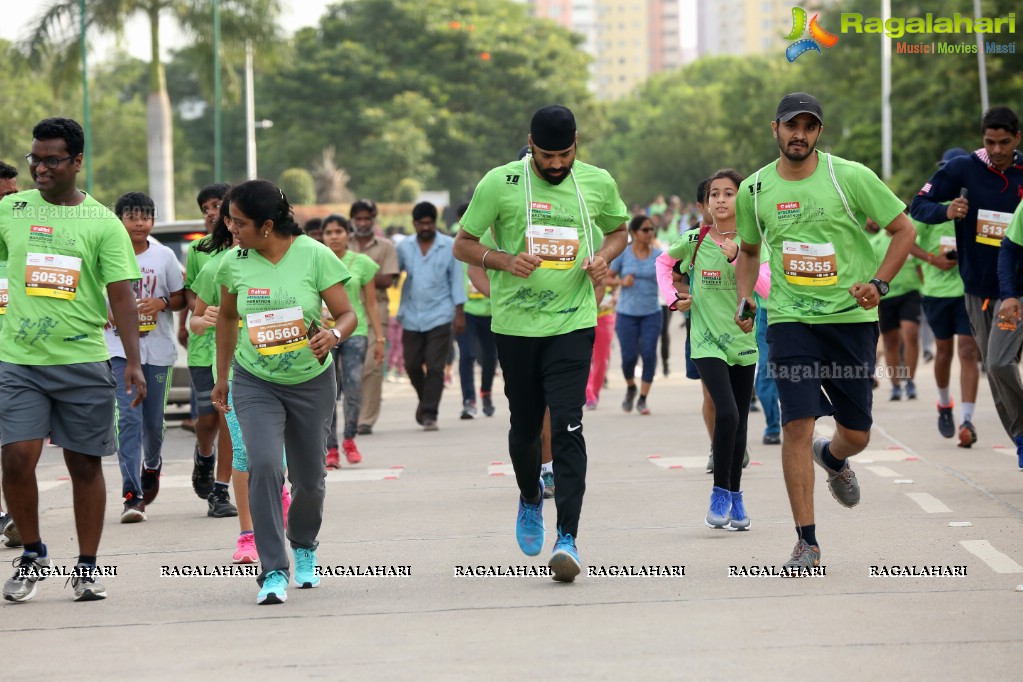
628	39
739	27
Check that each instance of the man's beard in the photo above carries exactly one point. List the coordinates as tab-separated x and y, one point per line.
795	156
426	235
364	232
545	173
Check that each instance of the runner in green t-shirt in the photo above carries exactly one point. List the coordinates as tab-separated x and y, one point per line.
283	386
477	342
944	305
211	431
352	352
809	208
66	254
544	212
898	317
726	360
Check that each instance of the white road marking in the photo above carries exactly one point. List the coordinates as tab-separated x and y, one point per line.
902	481
884	472
929	503
498	469
680	462
871	456
998	562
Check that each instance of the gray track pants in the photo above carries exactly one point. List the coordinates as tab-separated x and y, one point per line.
295	418
999	346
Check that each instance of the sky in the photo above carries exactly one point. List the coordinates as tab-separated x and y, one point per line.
19	15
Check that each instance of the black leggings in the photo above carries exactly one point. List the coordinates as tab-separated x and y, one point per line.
724	382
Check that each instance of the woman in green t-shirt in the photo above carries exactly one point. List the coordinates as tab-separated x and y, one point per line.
726	359
284	387
352	352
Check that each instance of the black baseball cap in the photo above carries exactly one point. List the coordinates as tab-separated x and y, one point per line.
951	154
797	103
553	128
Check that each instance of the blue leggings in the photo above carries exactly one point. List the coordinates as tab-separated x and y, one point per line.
638	336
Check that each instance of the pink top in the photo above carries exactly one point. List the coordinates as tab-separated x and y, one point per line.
665	263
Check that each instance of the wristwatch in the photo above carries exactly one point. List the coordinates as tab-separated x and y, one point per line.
882	286
336	333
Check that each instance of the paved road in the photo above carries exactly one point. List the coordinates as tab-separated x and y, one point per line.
434	501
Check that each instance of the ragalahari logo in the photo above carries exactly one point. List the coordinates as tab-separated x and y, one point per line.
818	36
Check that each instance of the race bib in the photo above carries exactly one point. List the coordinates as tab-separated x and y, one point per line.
557	247
3	296
147	323
809	265
277	331
48	274
946	245
474	293
992	226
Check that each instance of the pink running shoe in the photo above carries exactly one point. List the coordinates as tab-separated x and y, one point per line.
352	453
285	503
246	551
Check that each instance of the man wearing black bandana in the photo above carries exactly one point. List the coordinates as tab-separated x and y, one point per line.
557	223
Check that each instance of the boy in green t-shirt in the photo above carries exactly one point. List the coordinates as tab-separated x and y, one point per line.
808	209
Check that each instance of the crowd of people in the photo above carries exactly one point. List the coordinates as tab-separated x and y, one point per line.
795	282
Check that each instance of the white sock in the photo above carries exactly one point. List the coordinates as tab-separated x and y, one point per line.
547	468
968	411
944	396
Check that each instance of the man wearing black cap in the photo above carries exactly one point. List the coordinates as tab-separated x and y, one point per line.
548	214
945	307
809	208
980	192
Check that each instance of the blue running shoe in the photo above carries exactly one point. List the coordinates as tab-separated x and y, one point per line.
564	563
738	519
274	590
720	503
305	568
1019	451
529	526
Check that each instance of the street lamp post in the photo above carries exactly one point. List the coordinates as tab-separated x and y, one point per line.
250	116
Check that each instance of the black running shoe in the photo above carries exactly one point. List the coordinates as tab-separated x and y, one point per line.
202	473
220	504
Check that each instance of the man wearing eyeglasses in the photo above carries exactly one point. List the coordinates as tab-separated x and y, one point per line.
66	254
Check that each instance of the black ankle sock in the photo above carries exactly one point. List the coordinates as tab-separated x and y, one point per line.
642	396
808	533
87	560
829	460
535	501
37	547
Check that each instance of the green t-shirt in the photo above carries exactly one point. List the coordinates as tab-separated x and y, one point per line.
907	279
362	269
816	250
1015	229
57	299
712	286
202	347
276	303
938	239
3	293
475	302
558	297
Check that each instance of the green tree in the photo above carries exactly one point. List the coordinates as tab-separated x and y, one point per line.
53	41
298	184
434	90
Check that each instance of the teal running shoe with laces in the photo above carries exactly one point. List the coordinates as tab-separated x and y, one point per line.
529	525
274	589
305	568
564	563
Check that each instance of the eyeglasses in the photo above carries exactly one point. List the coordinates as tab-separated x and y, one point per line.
49	161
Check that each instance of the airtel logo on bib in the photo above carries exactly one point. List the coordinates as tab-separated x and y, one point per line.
259	293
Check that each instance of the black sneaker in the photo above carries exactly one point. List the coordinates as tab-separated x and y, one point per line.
220	504
364	430
151	483
202	473
630	398
134	509
946	422
488	404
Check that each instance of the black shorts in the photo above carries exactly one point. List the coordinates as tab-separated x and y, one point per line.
904	308
947	316
823	370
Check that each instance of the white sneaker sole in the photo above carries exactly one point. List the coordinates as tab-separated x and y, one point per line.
564	567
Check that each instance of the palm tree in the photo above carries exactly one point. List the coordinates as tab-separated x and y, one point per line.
54	37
